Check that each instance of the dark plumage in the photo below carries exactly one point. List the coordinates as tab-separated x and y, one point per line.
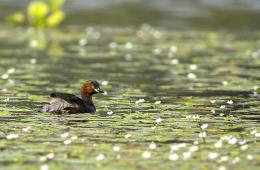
63	103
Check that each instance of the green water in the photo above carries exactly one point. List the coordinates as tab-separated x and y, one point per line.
186	79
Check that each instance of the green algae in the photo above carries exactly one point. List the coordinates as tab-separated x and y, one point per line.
141	66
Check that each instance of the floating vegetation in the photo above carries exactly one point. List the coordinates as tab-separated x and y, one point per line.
175	99
40	14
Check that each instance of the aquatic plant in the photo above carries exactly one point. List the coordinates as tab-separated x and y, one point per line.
40	14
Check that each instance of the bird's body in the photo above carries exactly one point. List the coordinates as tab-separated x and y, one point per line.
64	103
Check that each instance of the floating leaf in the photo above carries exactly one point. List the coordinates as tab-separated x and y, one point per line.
40	14
36	12
189	104
16	18
55	18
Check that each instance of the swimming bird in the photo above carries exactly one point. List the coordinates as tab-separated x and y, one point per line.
64	103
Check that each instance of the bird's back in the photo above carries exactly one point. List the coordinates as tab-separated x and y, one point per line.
63	103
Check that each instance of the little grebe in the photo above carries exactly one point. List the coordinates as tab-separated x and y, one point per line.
62	103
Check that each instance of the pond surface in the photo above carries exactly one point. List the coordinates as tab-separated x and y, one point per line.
175	99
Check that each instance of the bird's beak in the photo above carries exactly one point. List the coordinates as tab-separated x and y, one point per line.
98	90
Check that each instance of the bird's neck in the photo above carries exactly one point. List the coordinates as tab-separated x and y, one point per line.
87	98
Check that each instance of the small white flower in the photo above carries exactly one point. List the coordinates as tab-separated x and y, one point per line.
5	76
242	142
195	117
225	137
43	159
50	156
157	51
4	90
12	136
64	135
224	158
204	126
174	157
26	129
152	145
157	34
89	30
175	61
34	43
128	57
192	117
116	148
44	167
253	132
181	145
33	61
153	127
186	155
236	160
213	111
202	134
249	157
192	76
146	154
139	101
194	148
128	45
127	136
100	157
222	168
188	117
230	102
221	114
110	112
158	120
112	45
173	49
232	141
83	41
255	87
11	70
224	83
257	134
193	67
66	142
212	101
174	147
255	54
158	102
195	142
6	100
222	107
104	83
218	144
244	147
213	155
74	137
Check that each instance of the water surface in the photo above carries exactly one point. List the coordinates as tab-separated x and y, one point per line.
162	87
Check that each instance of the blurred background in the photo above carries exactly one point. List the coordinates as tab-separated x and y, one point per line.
239	15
